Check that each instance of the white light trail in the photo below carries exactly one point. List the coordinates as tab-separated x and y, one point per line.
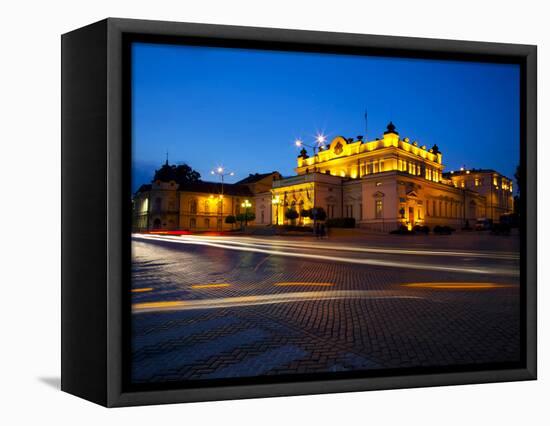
394	263
264	299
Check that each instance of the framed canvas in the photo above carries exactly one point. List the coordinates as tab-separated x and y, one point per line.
254	212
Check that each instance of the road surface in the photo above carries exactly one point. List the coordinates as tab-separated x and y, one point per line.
236	306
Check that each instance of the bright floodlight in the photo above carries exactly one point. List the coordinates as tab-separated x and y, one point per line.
321	139
220	169
298	142
231	174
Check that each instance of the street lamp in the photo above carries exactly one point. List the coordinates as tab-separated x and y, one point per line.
220	171
246	205
276	201
320	140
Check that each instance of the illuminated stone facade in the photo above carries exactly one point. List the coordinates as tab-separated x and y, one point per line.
389	182
201	206
382	184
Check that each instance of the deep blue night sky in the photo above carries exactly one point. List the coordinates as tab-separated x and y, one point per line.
243	109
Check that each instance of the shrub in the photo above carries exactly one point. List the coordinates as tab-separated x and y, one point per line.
402	230
443	230
305	213
230	219
341	222
291	214
243	217
422	229
318	213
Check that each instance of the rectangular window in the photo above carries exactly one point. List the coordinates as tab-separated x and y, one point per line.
378	209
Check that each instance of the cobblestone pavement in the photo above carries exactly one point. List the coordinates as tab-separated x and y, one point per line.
242	307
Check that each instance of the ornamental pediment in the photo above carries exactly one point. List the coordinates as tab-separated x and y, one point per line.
337	145
412	194
378	194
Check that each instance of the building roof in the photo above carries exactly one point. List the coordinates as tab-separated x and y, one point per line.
472	171
144	188
253	178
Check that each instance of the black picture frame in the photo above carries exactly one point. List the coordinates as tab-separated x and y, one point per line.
96	182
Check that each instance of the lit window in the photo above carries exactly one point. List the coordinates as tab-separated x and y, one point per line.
476	182
378	209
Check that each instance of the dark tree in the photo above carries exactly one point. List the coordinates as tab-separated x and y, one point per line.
181	174
291	214
245	217
318	213
185	174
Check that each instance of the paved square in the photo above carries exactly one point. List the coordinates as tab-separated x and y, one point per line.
226	307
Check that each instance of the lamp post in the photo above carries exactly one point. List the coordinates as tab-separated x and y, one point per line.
246	205
276	201
320	140
220	171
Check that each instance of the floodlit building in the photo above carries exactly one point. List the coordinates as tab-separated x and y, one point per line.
497	189
389	182
382	184
201	206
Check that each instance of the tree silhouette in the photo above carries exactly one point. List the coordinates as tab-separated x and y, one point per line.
181	174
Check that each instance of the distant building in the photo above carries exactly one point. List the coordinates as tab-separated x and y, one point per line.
389	182
495	188
201	206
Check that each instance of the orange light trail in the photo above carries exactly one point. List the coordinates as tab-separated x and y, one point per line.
304	284
220	285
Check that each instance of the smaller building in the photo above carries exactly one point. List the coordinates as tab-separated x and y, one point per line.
497	189
201	205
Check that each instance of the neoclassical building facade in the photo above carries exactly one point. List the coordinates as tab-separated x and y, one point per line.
390	182
201	206
382	184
